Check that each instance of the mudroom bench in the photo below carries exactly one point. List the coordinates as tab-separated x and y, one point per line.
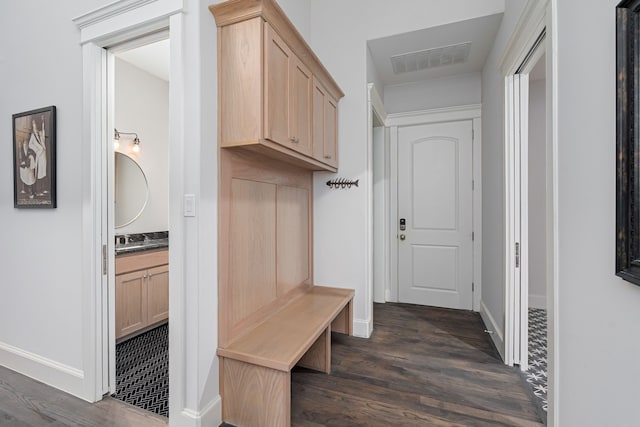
256	367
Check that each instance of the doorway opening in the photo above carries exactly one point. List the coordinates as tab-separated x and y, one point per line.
528	220
138	211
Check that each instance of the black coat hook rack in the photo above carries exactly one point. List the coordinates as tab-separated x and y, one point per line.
342	183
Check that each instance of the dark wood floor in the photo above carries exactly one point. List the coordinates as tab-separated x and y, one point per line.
422	367
28	403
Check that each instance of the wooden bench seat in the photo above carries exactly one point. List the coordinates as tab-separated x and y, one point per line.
256	367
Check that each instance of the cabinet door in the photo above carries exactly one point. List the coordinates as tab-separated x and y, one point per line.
131	302
158	294
325	119
331	131
277	57
300	114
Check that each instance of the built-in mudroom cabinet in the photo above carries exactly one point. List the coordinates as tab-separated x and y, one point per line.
278	122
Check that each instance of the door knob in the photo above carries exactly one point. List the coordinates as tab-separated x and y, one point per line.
402	237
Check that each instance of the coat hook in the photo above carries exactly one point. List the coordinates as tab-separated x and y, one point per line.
342	183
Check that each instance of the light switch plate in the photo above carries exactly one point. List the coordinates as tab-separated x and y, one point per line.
189	205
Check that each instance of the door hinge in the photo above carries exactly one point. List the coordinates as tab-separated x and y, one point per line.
473	134
473	184
473	287
473	236
104	260
517	255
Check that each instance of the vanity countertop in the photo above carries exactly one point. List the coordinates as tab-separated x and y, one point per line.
126	244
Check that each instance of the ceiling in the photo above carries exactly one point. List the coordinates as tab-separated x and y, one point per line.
481	32
153	58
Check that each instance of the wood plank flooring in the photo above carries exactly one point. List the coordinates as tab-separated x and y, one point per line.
28	403
422	366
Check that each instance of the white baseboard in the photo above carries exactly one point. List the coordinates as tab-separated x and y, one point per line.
47	371
497	336
538	301
211	415
362	328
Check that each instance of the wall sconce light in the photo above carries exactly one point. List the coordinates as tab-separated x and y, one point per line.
116	140
136	145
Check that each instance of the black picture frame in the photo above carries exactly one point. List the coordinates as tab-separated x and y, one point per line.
34	159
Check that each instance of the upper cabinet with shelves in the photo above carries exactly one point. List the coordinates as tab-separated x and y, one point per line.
275	96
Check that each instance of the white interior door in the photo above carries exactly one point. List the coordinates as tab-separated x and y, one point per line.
435	201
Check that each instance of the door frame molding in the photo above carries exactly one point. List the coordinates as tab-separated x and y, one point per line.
538	16
375	106
100	29
450	114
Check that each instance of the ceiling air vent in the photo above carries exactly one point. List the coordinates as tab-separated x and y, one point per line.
431	58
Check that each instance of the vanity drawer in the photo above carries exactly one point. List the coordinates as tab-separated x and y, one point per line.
141	260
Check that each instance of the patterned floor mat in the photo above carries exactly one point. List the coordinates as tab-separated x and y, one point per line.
537	374
142	371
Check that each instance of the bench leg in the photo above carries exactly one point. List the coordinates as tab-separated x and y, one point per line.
254	395
318	357
343	323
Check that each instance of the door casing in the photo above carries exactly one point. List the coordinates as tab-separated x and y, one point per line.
397	120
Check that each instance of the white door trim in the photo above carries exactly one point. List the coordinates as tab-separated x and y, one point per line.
99	29
376	106
539	16
451	114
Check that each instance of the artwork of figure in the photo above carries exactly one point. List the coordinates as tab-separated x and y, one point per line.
34	137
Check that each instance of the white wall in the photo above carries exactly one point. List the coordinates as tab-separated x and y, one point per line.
41	305
41	290
598	313
537	195
493	206
142	106
339	34
453	91
373	76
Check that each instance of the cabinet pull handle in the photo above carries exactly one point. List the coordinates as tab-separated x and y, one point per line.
294	139
327	157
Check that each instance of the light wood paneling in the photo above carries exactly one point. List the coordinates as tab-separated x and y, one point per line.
131	302
343	323
300	106
241	165
318	357
331	132
266	77
254	395
240	90
253	247
277	78
234	11
293	238
158	294
294	328
319	96
141	260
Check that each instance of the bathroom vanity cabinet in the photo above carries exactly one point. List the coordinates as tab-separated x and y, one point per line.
142	291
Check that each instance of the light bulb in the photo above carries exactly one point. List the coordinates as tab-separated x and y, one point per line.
116	144
136	146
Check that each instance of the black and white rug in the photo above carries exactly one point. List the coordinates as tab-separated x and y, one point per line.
142	371
536	375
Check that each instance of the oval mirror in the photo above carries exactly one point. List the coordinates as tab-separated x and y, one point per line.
131	190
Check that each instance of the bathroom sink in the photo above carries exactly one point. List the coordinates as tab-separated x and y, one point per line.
141	246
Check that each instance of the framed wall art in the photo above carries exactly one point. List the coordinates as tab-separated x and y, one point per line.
34	158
